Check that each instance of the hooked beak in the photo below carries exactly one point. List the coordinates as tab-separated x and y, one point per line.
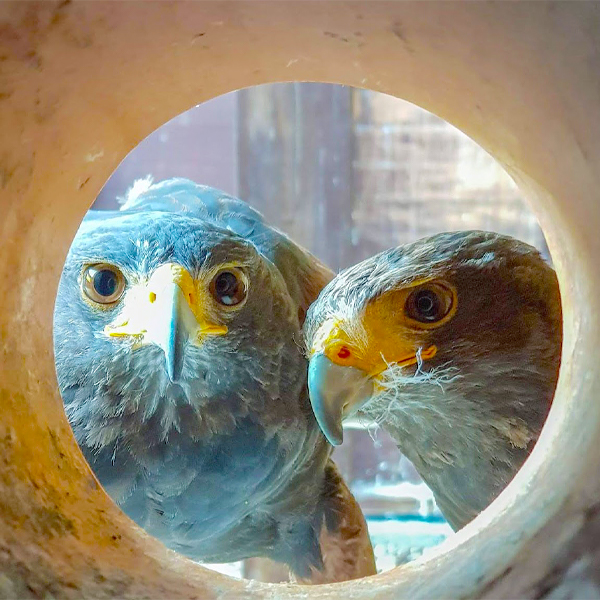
173	329
336	392
166	312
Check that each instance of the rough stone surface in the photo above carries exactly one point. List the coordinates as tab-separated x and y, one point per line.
82	83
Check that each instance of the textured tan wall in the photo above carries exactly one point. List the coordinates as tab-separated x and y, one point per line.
82	83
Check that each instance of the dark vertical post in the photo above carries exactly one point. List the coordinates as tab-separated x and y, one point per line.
295	148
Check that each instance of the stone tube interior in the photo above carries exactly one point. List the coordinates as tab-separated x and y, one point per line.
82	83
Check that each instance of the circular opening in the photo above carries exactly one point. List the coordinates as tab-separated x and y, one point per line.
512	77
346	173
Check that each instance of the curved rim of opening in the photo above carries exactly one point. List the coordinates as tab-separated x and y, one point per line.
562	194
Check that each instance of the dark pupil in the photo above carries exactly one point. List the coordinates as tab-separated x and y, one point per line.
226	284
427	305
105	283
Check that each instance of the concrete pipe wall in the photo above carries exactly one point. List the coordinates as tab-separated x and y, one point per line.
82	83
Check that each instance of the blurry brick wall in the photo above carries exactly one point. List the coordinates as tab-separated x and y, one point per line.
199	144
416	175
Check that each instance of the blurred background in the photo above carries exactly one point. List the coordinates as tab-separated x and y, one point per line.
346	173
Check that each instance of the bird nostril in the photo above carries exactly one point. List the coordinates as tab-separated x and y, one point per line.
191	298
343	353
152	297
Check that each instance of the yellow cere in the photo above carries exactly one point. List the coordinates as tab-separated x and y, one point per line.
335	340
380	336
147	303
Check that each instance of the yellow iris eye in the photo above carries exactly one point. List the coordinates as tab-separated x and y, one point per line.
103	283
229	287
429	303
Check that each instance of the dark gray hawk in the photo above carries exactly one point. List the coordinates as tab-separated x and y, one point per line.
453	344
179	358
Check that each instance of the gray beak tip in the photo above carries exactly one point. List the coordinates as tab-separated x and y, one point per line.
335	438
334	390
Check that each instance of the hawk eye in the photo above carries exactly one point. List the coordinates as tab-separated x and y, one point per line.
229	287
429	304
103	283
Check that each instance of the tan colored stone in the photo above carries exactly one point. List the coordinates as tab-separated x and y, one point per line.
81	83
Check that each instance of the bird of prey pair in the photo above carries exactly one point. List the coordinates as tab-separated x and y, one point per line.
180	358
